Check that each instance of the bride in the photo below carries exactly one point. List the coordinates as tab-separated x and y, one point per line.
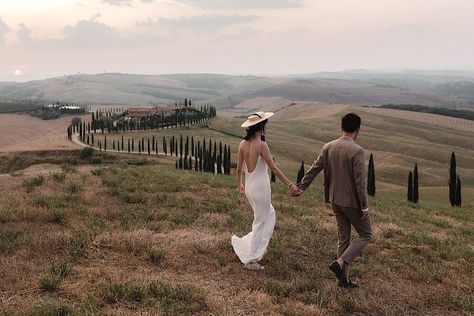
255	155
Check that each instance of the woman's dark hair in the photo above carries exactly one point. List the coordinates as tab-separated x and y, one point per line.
350	123
252	130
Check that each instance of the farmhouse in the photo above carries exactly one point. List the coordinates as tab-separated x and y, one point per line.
141	112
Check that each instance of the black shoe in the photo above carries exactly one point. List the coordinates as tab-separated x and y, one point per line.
348	284
336	269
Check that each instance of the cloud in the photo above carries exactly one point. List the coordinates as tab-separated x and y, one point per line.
90	33
4	29
245	4
118	3
202	23
24	35
127	3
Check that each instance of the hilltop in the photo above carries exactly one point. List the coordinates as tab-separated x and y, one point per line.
446	89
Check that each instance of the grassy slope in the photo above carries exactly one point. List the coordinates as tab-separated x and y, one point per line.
151	239
396	144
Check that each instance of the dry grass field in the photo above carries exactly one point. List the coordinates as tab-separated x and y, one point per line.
26	133
131	235
430	119
128	234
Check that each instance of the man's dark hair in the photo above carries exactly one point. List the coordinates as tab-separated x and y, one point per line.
350	123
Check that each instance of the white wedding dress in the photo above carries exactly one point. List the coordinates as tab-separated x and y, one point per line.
252	247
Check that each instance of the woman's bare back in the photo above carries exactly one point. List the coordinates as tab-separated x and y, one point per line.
250	151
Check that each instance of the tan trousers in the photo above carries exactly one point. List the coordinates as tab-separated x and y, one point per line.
345	217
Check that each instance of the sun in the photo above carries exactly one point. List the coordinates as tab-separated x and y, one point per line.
17	72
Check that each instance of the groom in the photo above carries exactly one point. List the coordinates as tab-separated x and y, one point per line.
344	187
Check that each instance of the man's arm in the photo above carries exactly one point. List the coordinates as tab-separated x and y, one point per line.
315	169
358	167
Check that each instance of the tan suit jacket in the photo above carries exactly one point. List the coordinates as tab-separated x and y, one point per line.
344	173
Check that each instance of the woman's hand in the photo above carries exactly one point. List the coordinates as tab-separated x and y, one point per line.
241	189
293	188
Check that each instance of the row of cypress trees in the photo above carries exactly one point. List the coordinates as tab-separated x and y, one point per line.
207	158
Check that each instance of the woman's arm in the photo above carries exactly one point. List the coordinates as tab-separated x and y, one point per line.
265	152
240	161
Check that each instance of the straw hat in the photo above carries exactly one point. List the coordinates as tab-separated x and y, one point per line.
256	118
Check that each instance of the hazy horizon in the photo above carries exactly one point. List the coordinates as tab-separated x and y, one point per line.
260	37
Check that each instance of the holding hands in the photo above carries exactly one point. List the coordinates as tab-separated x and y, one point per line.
295	191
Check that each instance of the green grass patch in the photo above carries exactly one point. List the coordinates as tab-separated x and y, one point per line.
10	240
31	184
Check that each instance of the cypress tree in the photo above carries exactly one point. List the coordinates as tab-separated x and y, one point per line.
186	147
118	145
410	187
300	173
113	144
153	143
176	148
176	164
181	145
105	143
164	145
192	146
143	144
452	180
200	155
171	146
128	145
196	166
190	163
185	162
139	147
122	143
180	162
458	192
133	144
92	139
229	164
371	177
148	141
224	162
415	184
272	178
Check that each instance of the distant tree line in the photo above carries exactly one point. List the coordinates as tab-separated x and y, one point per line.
41	109
122	122
464	114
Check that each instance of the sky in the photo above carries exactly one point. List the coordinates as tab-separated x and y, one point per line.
41	39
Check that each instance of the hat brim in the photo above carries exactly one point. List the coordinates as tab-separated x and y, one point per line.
265	116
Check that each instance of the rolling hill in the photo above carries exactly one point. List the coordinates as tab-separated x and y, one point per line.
229	91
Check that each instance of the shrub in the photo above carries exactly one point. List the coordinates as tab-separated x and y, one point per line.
86	152
30	184
59	176
74	188
96	160
50	309
9	240
49	283
58	217
60	268
156	256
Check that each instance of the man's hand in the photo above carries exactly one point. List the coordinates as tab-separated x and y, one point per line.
241	189
297	192
365	214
